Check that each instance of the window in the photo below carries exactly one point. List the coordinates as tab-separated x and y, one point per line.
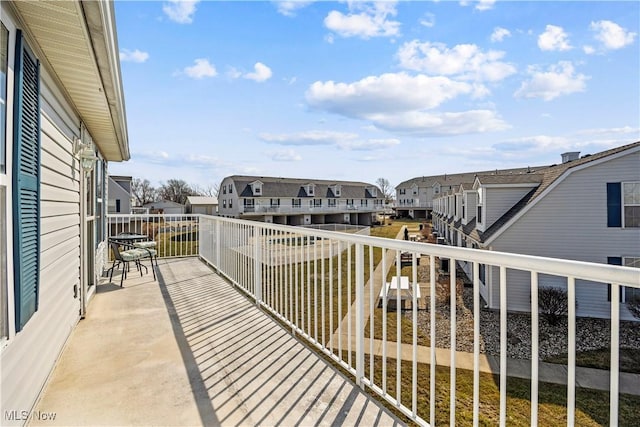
331	202
479	214
402	191
296	203
274	202
224	204
230	203
257	190
317	202
118	205
631	204
230	189
224	189
623	204
349	202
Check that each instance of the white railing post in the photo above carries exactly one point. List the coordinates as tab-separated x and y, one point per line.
360	323
257	268
614	371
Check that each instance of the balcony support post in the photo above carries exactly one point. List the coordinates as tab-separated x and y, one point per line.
360	322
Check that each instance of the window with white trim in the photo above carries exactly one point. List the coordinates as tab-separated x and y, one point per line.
631	204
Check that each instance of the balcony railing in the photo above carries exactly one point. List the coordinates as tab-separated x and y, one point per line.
260	209
330	289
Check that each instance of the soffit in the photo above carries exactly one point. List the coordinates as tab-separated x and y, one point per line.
64	43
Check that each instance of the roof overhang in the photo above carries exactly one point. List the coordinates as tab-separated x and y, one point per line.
77	42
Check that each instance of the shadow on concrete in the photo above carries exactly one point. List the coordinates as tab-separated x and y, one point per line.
245	368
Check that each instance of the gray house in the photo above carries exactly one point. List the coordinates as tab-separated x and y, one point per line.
586	209
295	201
119	194
62	118
202	205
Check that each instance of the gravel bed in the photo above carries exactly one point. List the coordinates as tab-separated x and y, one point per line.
591	333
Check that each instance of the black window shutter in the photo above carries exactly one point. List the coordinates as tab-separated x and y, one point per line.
613	260
26	182
614	204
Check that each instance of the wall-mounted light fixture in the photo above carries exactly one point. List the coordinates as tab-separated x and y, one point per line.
86	153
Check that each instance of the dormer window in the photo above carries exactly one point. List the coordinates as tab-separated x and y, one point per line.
256	188
309	189
373	191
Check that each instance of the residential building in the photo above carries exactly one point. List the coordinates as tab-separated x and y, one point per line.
119	192
295	201
414	197
202	205
165	206
586	209
62	119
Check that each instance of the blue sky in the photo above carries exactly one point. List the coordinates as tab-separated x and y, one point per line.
362	90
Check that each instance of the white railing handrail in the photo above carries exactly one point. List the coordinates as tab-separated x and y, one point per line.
628	276
284	267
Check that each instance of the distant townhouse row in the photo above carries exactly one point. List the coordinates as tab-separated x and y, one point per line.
414	197
585	209
294	201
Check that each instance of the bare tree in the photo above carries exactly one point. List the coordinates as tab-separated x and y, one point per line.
143	191
386	188
211	190
176	190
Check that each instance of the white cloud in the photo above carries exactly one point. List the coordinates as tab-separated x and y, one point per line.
313	137
369	144
624	130
180	11
466	61
385	93
234	73
343	140
133	55
422	123
261	73
202	68
499	34
559	79
611	35
589	50
285	156
365	20
480	5
329	38
289	8
429	20
485	5
554	38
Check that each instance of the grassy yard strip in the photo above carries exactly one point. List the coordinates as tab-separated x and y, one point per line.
600	359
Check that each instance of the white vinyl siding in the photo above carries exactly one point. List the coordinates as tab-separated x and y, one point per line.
29	355
571	222
497	201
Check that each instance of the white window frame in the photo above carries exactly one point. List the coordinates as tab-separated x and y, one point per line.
624	205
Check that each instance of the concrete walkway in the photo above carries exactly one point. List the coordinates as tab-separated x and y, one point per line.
192	350
597	379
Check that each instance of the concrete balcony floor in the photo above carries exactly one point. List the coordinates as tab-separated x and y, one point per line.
189	349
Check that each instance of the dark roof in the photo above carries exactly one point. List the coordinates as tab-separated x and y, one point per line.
459	178
528	178
295	187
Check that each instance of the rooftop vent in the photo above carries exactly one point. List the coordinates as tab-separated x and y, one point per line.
570	156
